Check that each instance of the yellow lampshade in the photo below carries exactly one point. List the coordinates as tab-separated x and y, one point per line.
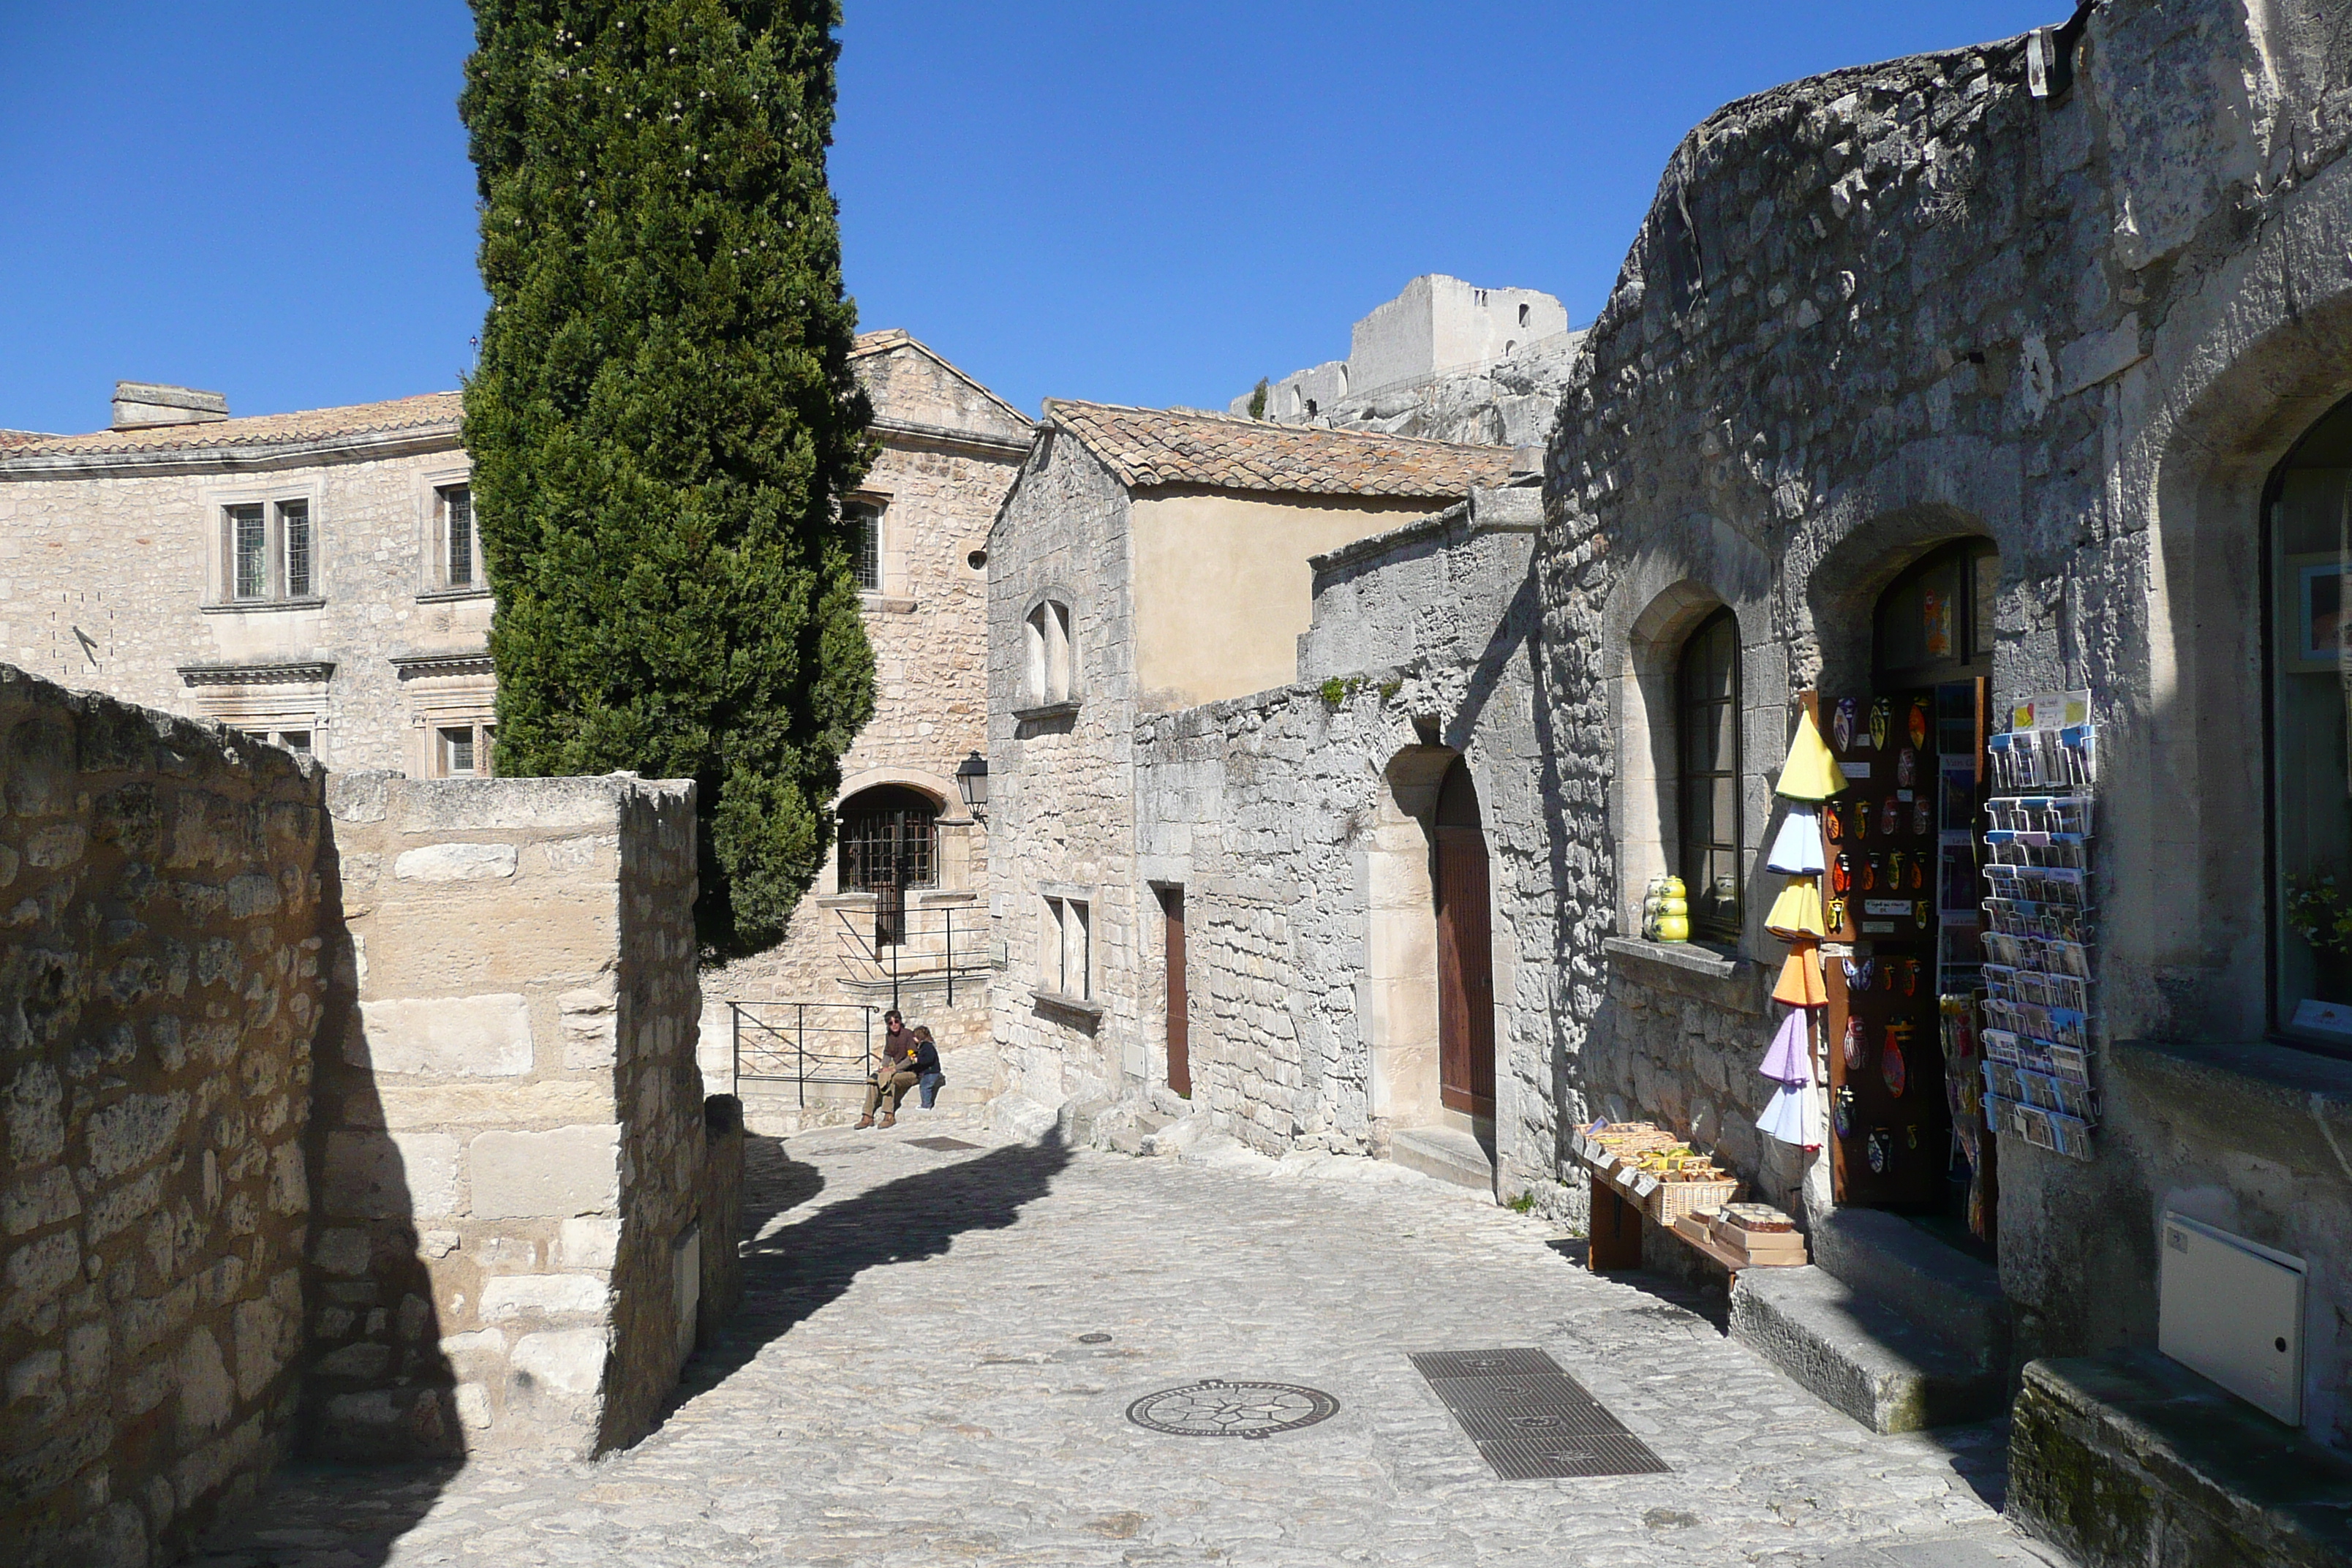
1797	913
1811	773
1800	979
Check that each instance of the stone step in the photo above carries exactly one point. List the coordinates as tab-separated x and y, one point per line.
1447	1153
1925	1281
1858	1354
2129	1459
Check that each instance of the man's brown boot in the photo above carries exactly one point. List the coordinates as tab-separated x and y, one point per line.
889	1119
866	1121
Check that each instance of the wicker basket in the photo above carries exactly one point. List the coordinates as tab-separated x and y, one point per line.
1671	1200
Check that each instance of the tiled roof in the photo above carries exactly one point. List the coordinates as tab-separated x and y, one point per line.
422	412
17	437
1148	447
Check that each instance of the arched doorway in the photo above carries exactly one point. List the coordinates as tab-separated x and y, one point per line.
888	843
1905	890
1465	961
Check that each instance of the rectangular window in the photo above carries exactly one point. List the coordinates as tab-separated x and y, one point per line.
459	557
1707	713
865	519
1069	948
249	546
296	741
2310	550
458	752
294	528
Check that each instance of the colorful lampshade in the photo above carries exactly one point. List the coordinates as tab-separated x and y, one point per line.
1797	847
1800	983
1811	773
1790	1059
1793	1117
1797	913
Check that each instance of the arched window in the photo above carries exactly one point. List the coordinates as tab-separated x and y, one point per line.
2310	659
1052	656
1707	721
889	839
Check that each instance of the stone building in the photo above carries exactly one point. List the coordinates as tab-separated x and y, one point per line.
309	578
1146	562
314	579
899	911
1445	360
1944	383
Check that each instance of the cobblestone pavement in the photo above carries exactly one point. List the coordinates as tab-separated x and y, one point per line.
908	1386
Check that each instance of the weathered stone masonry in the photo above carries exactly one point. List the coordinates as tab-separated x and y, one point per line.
161	984
1902	304
483	1225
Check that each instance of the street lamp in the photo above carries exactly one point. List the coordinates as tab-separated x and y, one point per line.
972	783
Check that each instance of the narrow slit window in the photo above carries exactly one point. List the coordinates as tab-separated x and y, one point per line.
249	546
294	525
461	567
866	539
1708	716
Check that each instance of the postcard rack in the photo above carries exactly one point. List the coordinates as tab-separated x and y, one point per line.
2041	928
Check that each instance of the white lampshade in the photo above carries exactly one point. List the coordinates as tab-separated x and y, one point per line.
1797	848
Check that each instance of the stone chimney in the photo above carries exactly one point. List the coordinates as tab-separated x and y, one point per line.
140	405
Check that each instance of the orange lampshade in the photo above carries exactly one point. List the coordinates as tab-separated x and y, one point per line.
1800	978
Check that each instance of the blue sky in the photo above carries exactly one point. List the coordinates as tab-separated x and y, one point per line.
1145	205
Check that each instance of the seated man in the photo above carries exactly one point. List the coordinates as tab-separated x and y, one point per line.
896	1075
926	1065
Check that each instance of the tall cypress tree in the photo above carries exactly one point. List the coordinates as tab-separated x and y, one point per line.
663	420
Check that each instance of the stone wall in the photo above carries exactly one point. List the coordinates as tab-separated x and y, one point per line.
1911	302
514	1165
1296	822
160	988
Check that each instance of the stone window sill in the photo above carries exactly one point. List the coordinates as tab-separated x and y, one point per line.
451	595
1689	956
887	603
2265	1079
251	606
1046	710
1686	969
1055	1002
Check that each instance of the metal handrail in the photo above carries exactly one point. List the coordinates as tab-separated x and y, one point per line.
802	1042
870	958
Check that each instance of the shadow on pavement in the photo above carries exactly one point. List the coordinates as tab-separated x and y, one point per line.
797	1271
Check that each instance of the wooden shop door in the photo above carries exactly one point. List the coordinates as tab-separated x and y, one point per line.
1180	1006
1465	963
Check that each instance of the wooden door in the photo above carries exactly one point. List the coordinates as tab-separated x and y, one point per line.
1180	1006
1465	963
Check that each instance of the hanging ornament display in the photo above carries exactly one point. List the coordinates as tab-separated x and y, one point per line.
1790	1059
1842	724
1800	983
1797	848
1811	773
1797	913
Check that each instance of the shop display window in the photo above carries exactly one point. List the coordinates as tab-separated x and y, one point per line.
2310	674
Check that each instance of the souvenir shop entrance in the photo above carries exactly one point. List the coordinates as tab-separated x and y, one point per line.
1904	892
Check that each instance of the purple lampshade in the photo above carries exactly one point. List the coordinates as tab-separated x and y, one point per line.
1790	1059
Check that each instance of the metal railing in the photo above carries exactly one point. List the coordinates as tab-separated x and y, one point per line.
893	943
803	1042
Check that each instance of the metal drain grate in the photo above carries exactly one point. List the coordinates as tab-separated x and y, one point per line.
942	1145
1531	1420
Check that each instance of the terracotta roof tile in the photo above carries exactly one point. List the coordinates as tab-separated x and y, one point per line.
432	408
1149	446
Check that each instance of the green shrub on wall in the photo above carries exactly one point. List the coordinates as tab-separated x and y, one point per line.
664	421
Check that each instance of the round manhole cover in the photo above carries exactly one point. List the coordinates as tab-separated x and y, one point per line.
1213	1407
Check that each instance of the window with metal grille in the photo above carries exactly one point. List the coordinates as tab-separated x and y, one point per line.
1707	719
889	838
294	528
866	519
459	558
249	540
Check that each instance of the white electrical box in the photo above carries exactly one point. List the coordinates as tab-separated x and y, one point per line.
2232	1309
